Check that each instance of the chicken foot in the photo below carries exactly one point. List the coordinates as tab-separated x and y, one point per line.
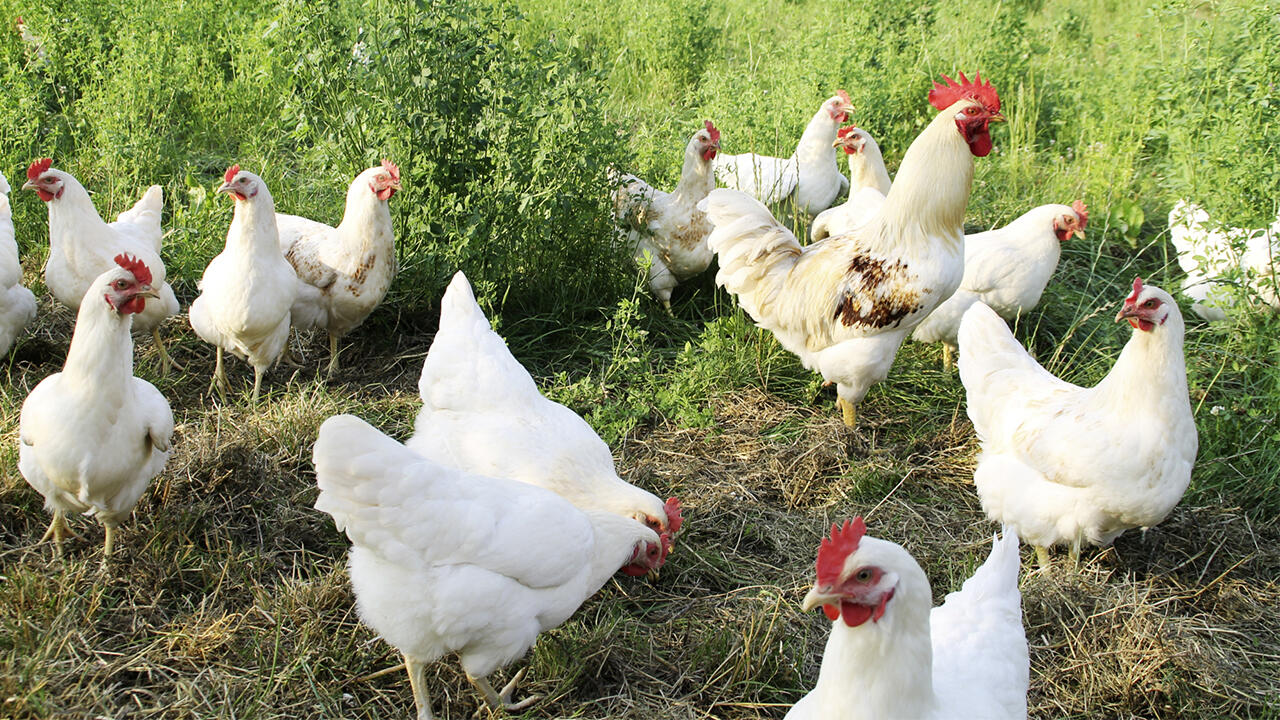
502	700
418	683
166	363
58	531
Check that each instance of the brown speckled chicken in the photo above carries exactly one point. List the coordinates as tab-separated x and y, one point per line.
845	304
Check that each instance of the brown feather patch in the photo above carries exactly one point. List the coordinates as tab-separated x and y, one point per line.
888	285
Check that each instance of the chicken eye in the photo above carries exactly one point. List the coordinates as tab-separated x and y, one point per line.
864	575
971	110
1149	304
242	180
121	284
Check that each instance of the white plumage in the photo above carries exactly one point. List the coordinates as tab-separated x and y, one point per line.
248	289
82	244
93	436
477	397
444	561
17	303
1006	268
869	183
345	272
1223	265
811	173
667	230
892	656
1062	464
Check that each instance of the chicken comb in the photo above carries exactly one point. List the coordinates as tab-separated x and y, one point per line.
140	271
844	96
833	551
845	131
1083	211
231	173
674	518
712	131
38	168
392	168
1137	290
943	96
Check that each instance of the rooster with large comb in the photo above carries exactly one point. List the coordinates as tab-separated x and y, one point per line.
93	436
1006	268
82	245
891	655
344	271
1068	465
843	305
667	230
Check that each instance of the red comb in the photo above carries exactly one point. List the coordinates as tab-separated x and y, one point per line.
712	131
231	173
1083	211
844	96
942	97
674	519
391	168
833	551
1137	290
38	168
845	131
141	272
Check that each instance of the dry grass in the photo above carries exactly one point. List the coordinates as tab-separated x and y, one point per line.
229	599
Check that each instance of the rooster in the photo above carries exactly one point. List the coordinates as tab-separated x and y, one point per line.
668	228
445	561
1007	268
247	290
811	173
844	304
82	245
92	437
17	304
868	184
1063	464
474	393
1207	254
344	271
892	656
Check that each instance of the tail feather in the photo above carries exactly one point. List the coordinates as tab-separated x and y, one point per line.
146	213
755	252
352	461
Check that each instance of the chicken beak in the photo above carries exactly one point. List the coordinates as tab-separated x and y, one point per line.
30	185
817	598
1078	234
147	291
997	117
227	188
1126	312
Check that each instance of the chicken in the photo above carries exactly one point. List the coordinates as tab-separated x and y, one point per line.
1219	261
344	271
844	304
1066	464
17	304
1007	268
868	184
668	228
811	173
93	436
82	245
475	394
891	657
247	290
445	561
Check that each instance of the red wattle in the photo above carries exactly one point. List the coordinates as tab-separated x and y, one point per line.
831	611
980	144
45	196
709	154
855	615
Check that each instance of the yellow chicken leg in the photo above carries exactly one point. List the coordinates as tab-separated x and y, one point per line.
58	531
418	683
1042	555
333	355
947	361
502	700
166	362
848	411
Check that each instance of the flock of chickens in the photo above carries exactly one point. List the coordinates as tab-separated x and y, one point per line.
527	541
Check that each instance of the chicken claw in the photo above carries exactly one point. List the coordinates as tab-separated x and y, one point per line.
502	700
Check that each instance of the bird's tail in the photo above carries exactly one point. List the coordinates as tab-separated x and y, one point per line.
146	212
359	471
998	576
754	250
987	346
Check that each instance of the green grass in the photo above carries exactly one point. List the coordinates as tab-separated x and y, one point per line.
229	598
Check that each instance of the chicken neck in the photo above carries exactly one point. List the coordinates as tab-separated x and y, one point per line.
931	191
696	178
816	143
100	359
1150	372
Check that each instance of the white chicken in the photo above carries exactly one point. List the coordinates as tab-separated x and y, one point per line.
17	303
868	184
248	289
1218	261
845	304
1006	268
444	561
811	173
892	656
1066	464
82	245
93	436
667	230
475	394
344	271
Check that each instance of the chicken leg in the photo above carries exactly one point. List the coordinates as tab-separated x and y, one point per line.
257	383
848	411
333	355
58	531
108	544
947	362
502	700
418	683
1042	555
219	381
166	362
